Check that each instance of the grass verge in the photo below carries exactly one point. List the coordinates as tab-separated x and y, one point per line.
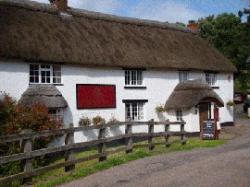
58	176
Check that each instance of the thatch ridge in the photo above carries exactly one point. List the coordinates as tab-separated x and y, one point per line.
39	33
189	94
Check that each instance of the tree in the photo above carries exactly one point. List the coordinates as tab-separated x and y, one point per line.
231	37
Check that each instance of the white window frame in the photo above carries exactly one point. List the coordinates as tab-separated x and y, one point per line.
210	78
183	76
136	111
133	77
54	75
179	115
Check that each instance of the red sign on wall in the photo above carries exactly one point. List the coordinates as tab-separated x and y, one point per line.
95	96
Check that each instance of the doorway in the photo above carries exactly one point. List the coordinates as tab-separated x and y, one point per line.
204	112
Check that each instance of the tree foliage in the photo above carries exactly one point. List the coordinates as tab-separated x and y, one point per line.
231	37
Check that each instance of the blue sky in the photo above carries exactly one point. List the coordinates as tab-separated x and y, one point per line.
161	10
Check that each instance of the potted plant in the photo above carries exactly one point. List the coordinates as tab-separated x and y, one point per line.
97	120
160	109
230	104
84	122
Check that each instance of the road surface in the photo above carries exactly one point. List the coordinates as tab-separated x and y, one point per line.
227	165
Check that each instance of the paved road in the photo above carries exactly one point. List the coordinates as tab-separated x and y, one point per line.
227	165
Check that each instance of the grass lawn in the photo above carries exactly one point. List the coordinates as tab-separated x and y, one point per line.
58	176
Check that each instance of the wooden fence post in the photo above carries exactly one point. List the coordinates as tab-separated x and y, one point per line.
183	136
150	132
102	146
26	146
69	155
129	140
167	135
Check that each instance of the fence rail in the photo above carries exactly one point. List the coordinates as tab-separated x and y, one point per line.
27	137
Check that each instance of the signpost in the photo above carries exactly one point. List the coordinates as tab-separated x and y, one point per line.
208	131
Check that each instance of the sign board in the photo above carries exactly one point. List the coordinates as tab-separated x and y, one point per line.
93	96
208	131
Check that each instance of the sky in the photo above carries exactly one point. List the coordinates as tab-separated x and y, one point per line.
161	10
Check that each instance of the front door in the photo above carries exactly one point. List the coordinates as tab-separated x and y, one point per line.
203	109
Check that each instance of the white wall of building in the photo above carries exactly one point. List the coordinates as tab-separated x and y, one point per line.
14	80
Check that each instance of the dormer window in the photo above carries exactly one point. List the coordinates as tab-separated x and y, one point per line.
45	74
133	77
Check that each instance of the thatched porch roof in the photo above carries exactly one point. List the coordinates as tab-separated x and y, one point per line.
189	94
37	32
48	95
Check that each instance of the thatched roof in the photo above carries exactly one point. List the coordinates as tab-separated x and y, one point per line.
38	32
190	93
48	95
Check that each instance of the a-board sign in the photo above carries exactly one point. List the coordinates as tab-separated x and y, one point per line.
208	131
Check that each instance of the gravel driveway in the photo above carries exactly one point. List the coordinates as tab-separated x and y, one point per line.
227	165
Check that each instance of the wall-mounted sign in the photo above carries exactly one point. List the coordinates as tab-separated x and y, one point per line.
91	96
208	131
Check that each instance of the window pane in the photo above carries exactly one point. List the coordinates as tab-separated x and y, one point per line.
139	77
45	76
141	115
57	74
128	112
127	77
179	115
134	111
34	73
133	77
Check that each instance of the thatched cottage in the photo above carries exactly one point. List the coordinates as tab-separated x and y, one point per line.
82	63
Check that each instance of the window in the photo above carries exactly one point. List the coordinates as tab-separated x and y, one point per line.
210	78
56	114
183	76
134	111
179	115
45	74
133	77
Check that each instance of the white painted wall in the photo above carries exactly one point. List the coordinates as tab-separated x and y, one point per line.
14	79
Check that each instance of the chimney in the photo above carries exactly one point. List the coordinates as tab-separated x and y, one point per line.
61	5
192	25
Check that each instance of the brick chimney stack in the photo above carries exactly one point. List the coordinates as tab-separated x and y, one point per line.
192	25
61	5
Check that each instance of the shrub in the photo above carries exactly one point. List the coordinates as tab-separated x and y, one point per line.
98	119
84	121
14	118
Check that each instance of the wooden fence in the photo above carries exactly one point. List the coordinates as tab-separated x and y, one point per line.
27	137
